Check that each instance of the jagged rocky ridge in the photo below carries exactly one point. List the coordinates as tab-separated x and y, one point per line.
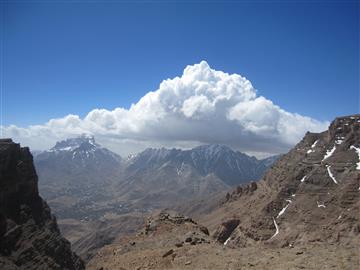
79	163
312	194
81	179
29	235
162	177
232	167
284	221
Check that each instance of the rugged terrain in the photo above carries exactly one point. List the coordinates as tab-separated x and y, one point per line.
160	177
76	176
29	235
172	241
99	197
310	195
82	179
303	214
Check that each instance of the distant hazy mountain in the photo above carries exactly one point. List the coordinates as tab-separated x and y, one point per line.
229	166
77	154
162	176
88	186
81	168
76	172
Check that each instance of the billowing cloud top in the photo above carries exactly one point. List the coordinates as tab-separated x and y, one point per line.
201	106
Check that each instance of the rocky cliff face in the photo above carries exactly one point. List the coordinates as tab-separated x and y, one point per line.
311	194
29	235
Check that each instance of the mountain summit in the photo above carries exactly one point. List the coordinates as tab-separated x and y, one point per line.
76	153
84	141
76	168
83	150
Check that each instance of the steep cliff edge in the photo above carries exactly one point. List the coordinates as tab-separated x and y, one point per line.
29	235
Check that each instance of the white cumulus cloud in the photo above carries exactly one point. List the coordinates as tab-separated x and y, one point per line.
201	106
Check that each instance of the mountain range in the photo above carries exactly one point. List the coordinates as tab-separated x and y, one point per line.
88	185
80	169
302	214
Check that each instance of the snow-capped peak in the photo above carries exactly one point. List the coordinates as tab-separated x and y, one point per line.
81	149
85	142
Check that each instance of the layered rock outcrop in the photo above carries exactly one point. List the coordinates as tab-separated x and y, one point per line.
312	194
29	235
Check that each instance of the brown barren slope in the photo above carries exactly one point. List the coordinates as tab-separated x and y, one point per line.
303	214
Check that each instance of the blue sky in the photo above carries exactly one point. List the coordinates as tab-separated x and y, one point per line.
61	58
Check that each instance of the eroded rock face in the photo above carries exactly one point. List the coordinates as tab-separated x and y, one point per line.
172	218
29	235
245	189
225	230
312	194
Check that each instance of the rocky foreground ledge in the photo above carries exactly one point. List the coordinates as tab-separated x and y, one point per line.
29	235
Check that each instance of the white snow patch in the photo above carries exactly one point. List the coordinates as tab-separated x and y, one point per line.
277	229
179	171
329	153
131	156
227	240
238	166
339	217
68	148
321	205
357	150
314	144
293	195
303	179
284	209
90	142
339	141
330	174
